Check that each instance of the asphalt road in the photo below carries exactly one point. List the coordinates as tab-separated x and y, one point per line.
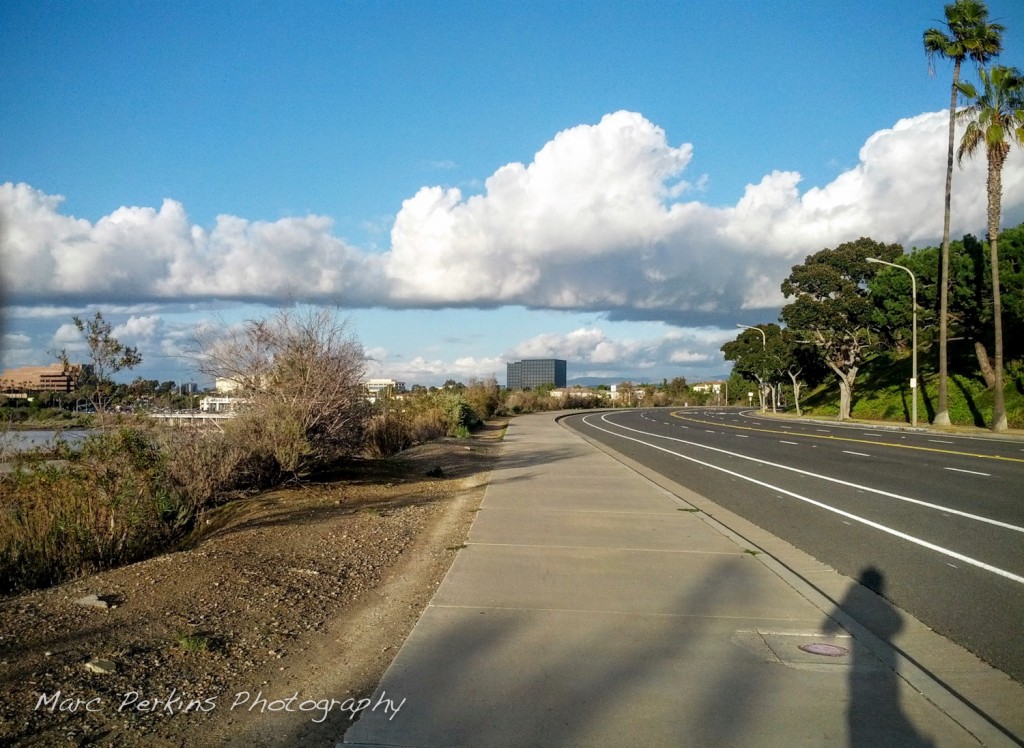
941	518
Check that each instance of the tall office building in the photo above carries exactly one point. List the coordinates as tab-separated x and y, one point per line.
535	372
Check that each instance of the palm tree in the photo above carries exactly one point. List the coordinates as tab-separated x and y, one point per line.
970	35
995	119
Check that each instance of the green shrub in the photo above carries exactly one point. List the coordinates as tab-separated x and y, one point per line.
461	418
110	505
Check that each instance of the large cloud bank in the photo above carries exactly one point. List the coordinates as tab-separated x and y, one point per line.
602	218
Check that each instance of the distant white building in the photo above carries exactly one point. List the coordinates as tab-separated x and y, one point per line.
713	387
580	393
211	404
383	389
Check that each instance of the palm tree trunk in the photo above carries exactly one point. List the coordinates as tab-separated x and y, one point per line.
942	407
996	157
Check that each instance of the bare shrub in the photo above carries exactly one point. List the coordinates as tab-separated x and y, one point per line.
388	433
301	374
484	397
202	465
428	424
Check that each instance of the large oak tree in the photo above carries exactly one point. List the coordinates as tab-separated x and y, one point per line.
832	309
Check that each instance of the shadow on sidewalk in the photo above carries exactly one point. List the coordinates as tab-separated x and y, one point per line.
581	679
874	715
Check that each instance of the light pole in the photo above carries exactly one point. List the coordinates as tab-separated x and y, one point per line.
764	338
764	344
913	375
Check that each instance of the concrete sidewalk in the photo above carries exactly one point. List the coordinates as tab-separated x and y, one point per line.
592	607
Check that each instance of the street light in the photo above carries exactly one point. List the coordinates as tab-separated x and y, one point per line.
913	376
764	338
764	344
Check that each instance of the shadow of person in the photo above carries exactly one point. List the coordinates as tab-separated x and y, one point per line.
874	714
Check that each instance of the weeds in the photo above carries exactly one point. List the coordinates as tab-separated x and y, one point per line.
108	504
193	642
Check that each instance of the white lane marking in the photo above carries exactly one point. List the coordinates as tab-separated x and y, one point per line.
972	472
880	492
781	441
940	441
841	512
824	431
871	433
742	436
859	454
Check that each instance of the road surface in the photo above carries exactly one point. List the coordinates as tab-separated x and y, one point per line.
941	518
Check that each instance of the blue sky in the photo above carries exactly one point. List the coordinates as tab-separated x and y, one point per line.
613	183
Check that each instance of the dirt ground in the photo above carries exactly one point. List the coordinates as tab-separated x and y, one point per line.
285	607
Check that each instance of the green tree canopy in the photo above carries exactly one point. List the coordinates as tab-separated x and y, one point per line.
107	356
832	309
753	359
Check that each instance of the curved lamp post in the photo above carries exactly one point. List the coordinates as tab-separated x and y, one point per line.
764	343
913	375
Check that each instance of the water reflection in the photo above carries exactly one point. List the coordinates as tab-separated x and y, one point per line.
22	441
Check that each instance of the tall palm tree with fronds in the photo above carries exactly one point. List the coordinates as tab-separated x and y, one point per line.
970	35
995	119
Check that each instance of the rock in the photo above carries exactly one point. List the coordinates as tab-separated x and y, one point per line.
103	667
93	601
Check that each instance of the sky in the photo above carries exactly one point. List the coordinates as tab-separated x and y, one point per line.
618	184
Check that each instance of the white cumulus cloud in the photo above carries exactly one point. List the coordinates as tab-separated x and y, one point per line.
596	221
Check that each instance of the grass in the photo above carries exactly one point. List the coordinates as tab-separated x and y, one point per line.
882	392
193	642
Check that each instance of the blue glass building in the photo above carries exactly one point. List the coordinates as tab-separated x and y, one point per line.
535	372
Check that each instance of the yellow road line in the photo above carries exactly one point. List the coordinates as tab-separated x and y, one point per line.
681	417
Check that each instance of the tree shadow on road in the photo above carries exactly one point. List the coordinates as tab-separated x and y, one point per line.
875	716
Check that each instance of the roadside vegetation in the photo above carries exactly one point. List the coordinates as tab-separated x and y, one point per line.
136	486
846	350
851	305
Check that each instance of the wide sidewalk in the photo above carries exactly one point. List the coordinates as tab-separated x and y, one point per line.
593	607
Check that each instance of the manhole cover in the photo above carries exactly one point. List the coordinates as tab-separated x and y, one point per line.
826	650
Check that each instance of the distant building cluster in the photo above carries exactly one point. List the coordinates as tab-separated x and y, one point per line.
50	378
385	389
535	372
214	404
712	387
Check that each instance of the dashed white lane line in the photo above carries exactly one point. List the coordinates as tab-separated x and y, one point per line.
972	472
782	441
859	454
939	441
